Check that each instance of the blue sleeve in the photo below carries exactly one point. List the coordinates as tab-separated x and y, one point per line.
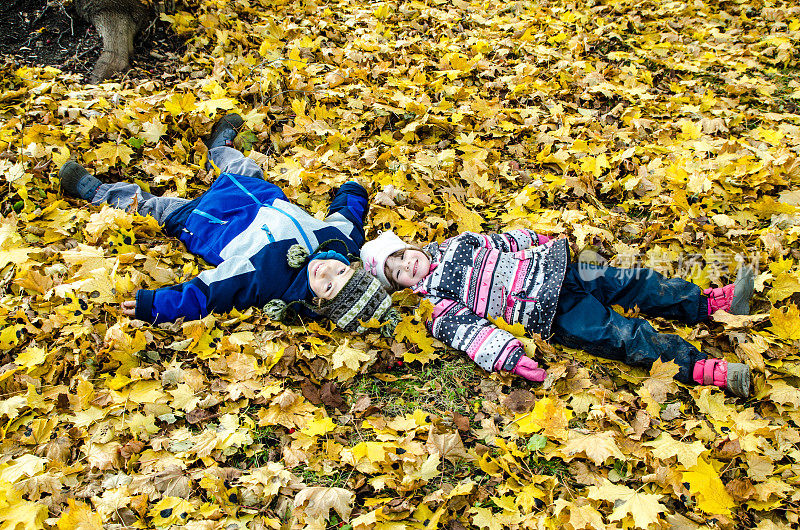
167	304
351	201
219	290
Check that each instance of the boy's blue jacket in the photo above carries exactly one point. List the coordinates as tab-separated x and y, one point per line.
245	226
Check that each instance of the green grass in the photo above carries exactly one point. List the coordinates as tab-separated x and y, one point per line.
440	387
257	453
554	467
335	479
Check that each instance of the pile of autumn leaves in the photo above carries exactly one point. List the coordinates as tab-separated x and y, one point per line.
666	135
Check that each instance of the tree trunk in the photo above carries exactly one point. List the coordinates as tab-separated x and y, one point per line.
117	21
117	30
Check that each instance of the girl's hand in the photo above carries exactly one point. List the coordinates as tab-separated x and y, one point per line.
129	308
529	369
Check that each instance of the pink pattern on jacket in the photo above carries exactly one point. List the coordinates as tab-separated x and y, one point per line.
475	276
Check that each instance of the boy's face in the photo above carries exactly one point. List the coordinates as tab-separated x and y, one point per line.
326	277
409	268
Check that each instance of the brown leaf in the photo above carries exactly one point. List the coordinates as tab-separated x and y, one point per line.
398	349
397	505
310	391
198	415
332	397
729	450
133	447
448	445
461	422
58	449
519	401
740	489
173	482
318	501
281	368
363	402
640	424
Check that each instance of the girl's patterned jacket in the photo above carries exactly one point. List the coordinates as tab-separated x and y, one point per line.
498	275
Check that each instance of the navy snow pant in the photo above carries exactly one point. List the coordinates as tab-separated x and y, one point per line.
584	318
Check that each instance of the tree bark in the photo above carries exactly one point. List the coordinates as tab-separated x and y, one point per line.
117	21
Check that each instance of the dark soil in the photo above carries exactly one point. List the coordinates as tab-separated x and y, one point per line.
49	33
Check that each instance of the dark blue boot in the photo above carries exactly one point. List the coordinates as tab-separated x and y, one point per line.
77	182
224	131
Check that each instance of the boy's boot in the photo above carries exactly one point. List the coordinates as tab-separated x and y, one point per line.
734	377
734	298
224	131
77	182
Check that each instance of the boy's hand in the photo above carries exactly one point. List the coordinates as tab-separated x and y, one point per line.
529	369
129	308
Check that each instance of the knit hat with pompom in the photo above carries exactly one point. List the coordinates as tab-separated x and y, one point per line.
361	299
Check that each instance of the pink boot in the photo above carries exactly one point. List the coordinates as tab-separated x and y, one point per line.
543	238
734	377
734	298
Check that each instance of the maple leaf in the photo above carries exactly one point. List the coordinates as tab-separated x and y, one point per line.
665	446
79	516
643	507
16	512
785	322
661	381
427	471
184	397
318	501
319	427
706	485
580	516
345	356
25	465
153	130
783	393
169	511
484	518
448	445
598	447
414	332
109	153
467	220
549	415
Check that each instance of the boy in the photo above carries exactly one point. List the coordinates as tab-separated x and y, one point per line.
265	248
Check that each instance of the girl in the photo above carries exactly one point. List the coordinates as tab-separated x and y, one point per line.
527	278
266	250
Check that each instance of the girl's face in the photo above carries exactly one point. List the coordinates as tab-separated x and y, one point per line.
326	277
409	268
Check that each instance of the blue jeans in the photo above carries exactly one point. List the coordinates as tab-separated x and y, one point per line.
584	318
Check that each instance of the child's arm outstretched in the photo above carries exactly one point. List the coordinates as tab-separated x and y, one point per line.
492	348
230	285
350	205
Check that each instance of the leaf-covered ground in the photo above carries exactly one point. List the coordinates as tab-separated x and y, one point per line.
661	133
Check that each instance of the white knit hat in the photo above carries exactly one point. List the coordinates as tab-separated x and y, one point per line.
374	254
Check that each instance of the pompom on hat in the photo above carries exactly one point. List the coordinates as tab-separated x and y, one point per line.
375	253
